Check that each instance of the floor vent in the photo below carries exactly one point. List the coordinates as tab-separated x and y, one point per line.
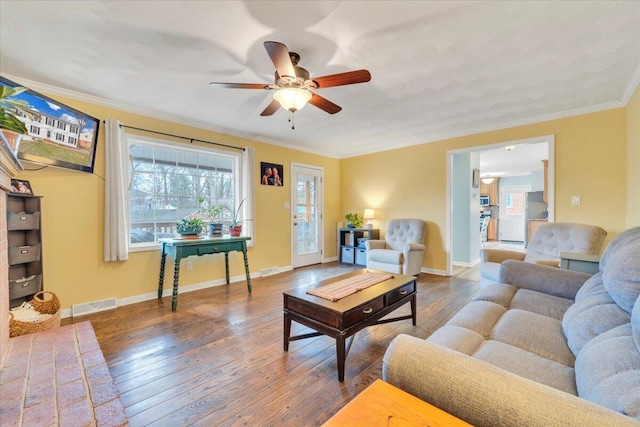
269	271
93	307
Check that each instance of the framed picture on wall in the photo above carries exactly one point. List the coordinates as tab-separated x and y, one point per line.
272	174
21	186
476	178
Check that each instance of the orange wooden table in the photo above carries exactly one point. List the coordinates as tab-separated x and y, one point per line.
383	405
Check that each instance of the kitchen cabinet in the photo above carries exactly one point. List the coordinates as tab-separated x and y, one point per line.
491	190
492	230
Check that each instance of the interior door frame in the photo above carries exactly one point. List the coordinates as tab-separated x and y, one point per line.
292	209
549	139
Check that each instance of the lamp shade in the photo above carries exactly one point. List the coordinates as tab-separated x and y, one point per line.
369	214
292	98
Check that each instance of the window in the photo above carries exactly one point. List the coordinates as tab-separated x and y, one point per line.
61	125
167	182
59	137
50	121
34	130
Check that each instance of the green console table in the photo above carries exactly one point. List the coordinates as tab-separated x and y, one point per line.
183	248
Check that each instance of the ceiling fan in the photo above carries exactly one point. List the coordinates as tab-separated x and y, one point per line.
293	86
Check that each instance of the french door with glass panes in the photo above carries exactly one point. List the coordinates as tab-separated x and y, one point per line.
306	215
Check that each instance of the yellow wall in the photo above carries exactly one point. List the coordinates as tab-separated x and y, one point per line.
410	182
633	160
590	154
73	218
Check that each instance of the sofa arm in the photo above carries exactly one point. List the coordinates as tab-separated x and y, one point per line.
499	255
413	247
542	278
483	394
375	244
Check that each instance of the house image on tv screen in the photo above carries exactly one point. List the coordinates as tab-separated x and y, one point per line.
67	131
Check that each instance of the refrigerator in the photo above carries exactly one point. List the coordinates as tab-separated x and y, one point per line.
534	208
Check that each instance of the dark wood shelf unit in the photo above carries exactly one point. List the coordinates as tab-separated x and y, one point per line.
350	251
24	238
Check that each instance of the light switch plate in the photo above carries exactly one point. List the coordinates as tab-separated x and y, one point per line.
287	205
575	201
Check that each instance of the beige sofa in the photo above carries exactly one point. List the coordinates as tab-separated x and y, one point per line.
547	347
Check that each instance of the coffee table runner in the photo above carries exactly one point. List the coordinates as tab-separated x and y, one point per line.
350	285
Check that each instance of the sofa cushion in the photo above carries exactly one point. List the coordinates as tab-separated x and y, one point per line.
478	316
621	240
528	365
622	275
538	302
593	313
608	371
510	296
534	333
499	293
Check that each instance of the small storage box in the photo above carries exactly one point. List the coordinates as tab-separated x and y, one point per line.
23	254
361	256
25	286
23	221
347	255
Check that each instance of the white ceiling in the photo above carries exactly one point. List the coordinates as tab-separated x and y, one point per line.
522	159
439	69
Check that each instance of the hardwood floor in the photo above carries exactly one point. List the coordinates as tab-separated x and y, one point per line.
219	360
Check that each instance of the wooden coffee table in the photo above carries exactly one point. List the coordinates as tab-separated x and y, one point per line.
343	318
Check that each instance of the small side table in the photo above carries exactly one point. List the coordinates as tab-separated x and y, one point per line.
585	263
383	405
183	248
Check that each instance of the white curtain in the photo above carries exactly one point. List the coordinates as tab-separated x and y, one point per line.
116	195
247	192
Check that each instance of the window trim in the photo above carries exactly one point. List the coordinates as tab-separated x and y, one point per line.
134	139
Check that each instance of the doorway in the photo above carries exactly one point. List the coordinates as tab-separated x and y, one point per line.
306	215
452	205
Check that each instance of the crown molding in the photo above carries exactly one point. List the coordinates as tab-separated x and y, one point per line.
631	87
149	112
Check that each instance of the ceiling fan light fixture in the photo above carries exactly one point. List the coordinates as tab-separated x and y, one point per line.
292	98
487	180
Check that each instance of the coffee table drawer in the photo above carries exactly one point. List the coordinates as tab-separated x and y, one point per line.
358	314
400	293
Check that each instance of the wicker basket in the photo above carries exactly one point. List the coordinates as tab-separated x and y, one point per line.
50	305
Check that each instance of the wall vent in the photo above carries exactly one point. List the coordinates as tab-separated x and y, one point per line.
269	271
93	307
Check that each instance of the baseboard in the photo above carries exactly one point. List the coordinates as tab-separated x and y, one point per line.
168	291
331	259
466	264
433	271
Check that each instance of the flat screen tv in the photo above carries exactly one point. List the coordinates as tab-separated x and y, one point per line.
41	130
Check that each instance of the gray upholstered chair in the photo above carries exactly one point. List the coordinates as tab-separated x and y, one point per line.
402	250
544	248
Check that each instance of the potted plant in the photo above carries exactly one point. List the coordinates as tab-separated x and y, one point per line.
212	214
353	220
190	227
235	226
11	128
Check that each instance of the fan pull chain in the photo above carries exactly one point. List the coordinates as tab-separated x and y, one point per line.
291	119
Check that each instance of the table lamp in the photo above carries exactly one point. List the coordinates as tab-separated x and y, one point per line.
369	214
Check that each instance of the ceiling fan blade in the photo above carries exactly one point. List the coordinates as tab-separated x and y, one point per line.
324	104
271	108
240	85
341	79
279	55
